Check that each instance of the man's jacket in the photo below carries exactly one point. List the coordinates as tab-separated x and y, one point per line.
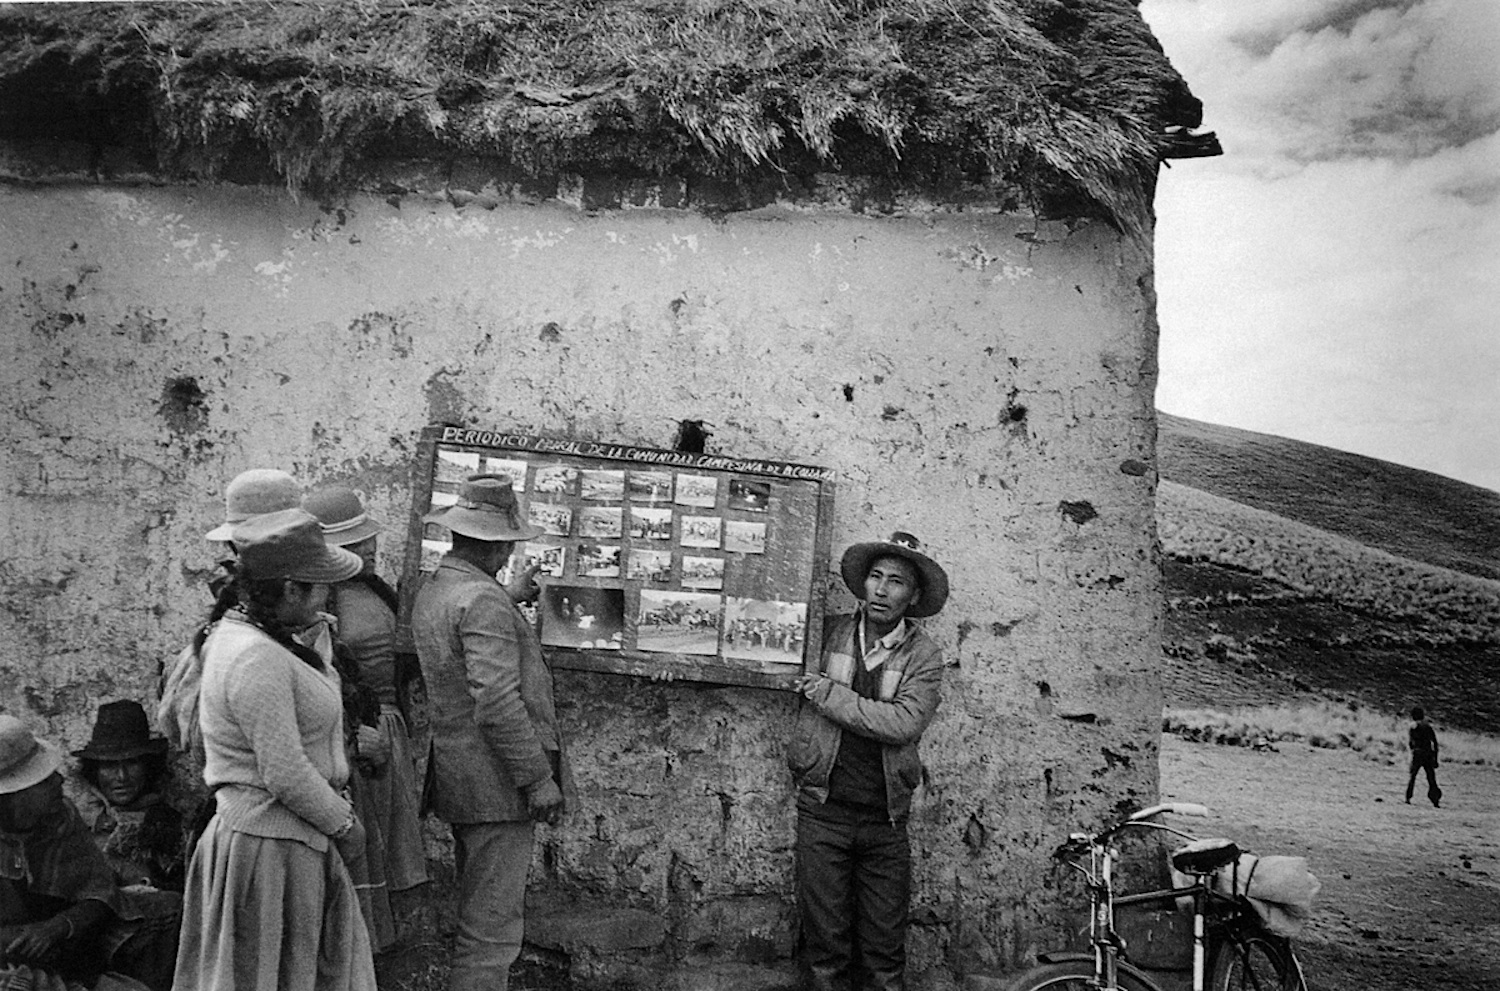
909	696
494	728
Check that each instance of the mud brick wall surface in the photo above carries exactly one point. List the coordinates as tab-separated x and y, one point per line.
981	379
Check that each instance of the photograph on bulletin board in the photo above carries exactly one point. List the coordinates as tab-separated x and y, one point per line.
702	567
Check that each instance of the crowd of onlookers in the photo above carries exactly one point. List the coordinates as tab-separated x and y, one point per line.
256	840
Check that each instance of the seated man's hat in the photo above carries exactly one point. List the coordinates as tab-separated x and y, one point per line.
858	559
121	731
24	760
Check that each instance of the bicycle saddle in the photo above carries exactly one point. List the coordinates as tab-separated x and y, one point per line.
1205	856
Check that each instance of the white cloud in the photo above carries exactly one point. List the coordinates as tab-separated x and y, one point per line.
1331	277
1309	80
1352	304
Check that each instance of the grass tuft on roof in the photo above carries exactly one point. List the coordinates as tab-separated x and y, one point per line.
1064	98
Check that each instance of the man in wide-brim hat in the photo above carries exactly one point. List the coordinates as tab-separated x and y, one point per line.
60	906
854	758
496	766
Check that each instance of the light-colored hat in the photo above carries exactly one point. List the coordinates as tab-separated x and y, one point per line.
290	545
487	509
24	760
254	493
934	580
343	517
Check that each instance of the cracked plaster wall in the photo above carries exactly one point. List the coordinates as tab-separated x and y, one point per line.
980	379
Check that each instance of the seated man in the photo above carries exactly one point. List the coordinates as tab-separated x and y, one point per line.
60	908
123	768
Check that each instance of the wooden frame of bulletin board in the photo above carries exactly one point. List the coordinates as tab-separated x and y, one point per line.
702	566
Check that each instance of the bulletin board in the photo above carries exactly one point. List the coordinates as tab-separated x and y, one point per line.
703	567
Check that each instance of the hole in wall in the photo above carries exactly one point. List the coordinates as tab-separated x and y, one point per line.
692	435
1079	512
184	405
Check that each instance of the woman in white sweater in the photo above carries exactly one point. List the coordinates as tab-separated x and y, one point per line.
269	904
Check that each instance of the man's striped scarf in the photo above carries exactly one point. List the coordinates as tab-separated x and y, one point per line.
840	659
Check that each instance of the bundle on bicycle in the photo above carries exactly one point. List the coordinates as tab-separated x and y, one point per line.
1245	911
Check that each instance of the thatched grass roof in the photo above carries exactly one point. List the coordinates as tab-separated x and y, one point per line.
1068	100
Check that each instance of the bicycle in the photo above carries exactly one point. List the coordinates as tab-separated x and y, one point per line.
1232	950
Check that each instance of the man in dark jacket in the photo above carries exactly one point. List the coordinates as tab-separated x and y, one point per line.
1424	756
854	757
61	909
496	765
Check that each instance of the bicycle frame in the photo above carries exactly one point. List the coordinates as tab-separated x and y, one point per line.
1227	938
1105	940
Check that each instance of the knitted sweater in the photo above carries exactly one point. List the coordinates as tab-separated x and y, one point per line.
273	737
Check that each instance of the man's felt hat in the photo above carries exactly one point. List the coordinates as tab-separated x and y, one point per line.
933	579
24	760
255	493
121	732
487	509
290	545
342	515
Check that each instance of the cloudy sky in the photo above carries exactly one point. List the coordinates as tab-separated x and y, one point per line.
1335	276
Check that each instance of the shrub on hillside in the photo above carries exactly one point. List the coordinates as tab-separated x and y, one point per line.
1374	735
1197	526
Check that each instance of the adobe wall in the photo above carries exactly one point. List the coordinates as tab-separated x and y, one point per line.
980	379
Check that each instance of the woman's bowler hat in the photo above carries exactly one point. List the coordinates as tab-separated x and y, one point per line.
290	545
254	493
343	517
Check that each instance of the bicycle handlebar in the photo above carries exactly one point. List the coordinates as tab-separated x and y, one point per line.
1079	842
1180	808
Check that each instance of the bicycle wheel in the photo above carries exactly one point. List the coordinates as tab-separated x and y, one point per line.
1256	963
1072	975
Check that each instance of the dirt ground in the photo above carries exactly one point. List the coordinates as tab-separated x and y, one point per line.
1411	894
1410	898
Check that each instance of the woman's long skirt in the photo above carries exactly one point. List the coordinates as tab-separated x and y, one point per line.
367	870
395	794
270	915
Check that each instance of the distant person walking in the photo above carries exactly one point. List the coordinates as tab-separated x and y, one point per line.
1424	756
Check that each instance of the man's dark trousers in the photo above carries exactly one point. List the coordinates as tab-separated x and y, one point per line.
854	877
1428	763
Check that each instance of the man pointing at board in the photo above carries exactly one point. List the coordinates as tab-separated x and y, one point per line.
496	766
854	756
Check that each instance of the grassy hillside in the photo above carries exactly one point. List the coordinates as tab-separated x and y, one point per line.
1261	609
1410	513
